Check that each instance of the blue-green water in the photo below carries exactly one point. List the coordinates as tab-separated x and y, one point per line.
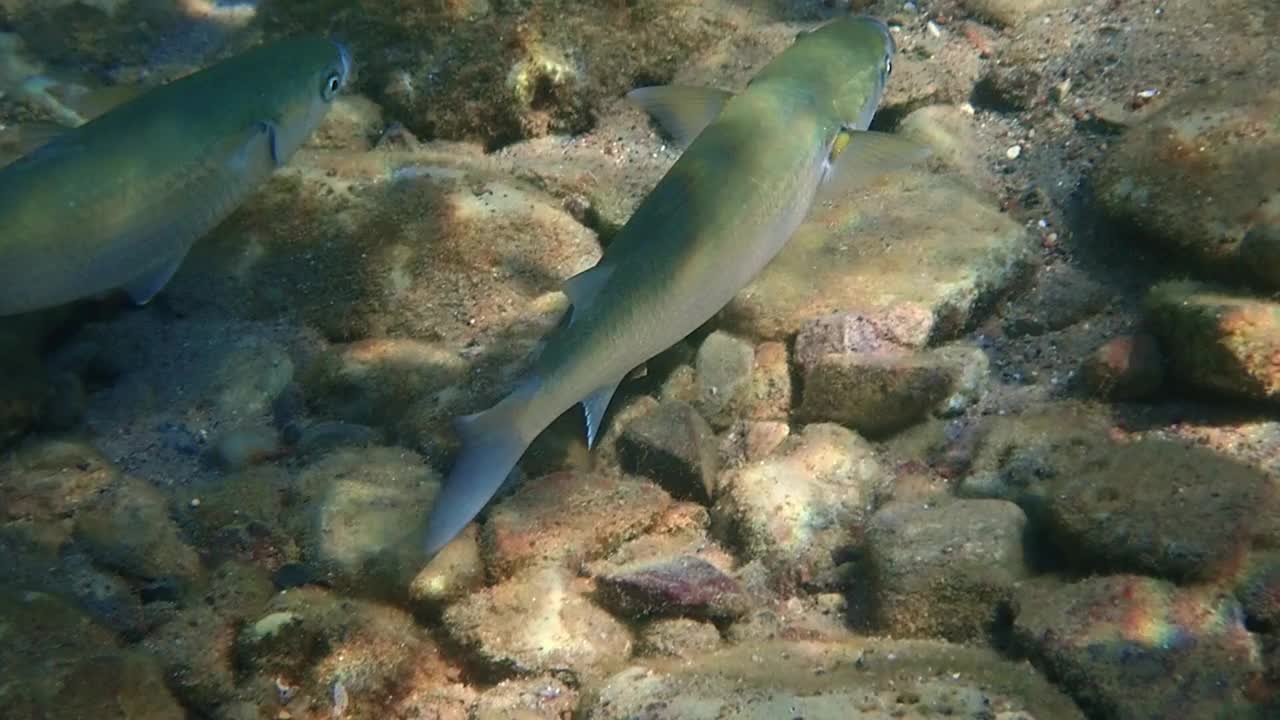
994	435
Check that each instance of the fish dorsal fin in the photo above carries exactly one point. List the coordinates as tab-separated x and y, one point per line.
860	156
593	410
146	286
583	287
681	110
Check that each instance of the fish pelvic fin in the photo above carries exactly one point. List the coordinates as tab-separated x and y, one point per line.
492	444
684	111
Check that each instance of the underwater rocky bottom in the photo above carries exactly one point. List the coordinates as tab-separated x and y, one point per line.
928	464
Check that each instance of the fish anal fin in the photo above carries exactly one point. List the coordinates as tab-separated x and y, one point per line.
593	409
682	110
860	156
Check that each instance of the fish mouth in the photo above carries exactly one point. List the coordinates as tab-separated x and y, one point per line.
345	56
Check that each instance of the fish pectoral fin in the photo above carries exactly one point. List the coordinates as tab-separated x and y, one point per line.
593	410
583	287
860	156
146	286
681	110
491	447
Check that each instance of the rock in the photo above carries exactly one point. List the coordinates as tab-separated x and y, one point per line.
250	516
1260	251
885	256
810	499
674	446
944	570
685	585
365	517
1012	13
1061	296
60	663
1008	88
1218	342
951	134
873	678
52	479
567	518
724	370
1017	458
1159	507
843	333
824	617
196	651
540	698
241	447
678	637
769	398
878	393
455	571
128	528
513	72
331	650
250	378
539	621
750	441
1258	589
1128	646
322	437
373	382
1200	172
1129	367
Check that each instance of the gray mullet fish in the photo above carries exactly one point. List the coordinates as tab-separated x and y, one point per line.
755	164
118	202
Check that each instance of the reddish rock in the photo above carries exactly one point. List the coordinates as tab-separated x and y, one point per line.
684	585
1128	367
568	518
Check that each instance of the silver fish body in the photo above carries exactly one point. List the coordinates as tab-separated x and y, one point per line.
118	201
754	166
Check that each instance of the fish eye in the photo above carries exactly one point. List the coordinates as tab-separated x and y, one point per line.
332	84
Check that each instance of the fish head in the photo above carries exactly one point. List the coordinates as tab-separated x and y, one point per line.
315	71
843	64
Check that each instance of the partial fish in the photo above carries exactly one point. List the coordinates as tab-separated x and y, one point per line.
118	202
755	163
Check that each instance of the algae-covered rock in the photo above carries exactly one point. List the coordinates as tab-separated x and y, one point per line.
568	518
868	678
1127	646
1201	171
674	445
916	251
1129	367
947	570
536	698
678	637
330	651
365	517
798	507
539	620
56	658
456	570
1219	342
723	380
1159	507
128	528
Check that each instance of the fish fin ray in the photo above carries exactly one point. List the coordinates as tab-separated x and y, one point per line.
593	409
681	110
491	447
583	287
146	286
861	156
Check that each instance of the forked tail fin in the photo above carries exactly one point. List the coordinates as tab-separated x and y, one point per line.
491	446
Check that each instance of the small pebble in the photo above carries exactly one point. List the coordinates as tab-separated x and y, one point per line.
1013	152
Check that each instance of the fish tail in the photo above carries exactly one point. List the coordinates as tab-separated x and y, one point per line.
492	444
